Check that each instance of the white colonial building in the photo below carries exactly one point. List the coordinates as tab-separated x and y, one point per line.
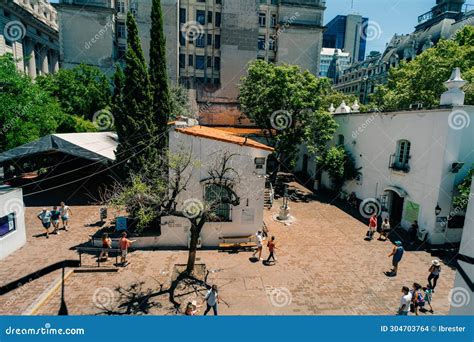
208	145
410	162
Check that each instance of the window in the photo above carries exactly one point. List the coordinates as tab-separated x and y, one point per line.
217	63
134	8
274	20
200	41
121	7
190	60
402	156
209	61
7	224
209	39
218	198
201	17
182	15
217	41
209	17
218	19
261	42
121	30
200	62
271	44
121	51
340	140
182	60
262	19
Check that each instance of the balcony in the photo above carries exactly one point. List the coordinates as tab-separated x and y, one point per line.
395	165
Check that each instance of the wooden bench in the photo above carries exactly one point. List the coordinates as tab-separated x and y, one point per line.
246	245
98	250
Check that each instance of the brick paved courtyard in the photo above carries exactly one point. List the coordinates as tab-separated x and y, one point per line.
324	268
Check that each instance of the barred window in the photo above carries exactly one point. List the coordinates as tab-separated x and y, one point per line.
219	197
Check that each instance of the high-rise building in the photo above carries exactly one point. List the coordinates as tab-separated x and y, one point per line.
29	31
334	60
348	33
209	42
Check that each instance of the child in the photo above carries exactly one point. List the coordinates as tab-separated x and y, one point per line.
428	296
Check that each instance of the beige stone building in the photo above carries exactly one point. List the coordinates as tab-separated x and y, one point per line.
29	31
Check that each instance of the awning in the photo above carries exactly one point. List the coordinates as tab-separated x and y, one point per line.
399	191
98	146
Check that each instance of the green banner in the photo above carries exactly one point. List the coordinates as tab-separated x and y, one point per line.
411	212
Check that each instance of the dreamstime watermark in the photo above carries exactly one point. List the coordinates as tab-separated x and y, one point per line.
192	208
363	126
281	120
99	35
103	297
370	206
46	330
14	205
458	210
14	31
459	297
279	296
281	29
459	119
192	30
371	30
18	293
103	120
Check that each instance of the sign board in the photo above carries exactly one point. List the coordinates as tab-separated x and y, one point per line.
412	210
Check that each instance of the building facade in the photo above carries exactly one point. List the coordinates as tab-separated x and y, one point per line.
348	33
410	163
334	60
29	31
12	220
443	21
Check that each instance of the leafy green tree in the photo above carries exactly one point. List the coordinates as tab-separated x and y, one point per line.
133	102
421	80
291	105
180	103
339	164
81	91
27	112
461	201
158	75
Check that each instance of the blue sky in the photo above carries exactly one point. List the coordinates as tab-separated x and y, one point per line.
391	16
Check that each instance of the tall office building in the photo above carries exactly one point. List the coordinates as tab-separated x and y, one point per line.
29	31
348	33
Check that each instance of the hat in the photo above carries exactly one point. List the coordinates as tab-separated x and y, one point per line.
194	303
435	262
398	243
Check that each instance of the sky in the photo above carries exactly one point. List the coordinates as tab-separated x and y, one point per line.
387	16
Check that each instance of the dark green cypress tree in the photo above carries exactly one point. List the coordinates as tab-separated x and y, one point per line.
158	74
134	113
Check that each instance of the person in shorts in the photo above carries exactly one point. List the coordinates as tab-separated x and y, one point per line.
384	230
124	244
66	213
428	297
106	245
396	254
260	239
45	217
55	214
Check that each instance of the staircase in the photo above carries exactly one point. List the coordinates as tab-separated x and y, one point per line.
268	196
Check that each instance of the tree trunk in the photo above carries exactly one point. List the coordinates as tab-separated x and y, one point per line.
192	248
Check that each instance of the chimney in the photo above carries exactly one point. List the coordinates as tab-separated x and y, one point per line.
454	96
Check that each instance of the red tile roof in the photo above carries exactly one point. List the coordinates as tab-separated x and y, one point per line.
216	134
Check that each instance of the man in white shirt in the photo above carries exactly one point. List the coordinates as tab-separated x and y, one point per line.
260	239
212	299
405	301
45	217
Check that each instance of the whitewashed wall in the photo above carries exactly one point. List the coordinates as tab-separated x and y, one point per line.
372	138
250	189
11	200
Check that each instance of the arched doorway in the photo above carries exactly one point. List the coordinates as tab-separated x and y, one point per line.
395	202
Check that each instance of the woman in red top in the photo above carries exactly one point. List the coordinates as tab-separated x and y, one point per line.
271	248
372	226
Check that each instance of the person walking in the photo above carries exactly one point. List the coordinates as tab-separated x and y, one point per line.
66	213
384	230
45	217
396	254
405	301
106	246
435	270
372	227
271	248
418	299
124	245
428	297
212	299
55	214
260	239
